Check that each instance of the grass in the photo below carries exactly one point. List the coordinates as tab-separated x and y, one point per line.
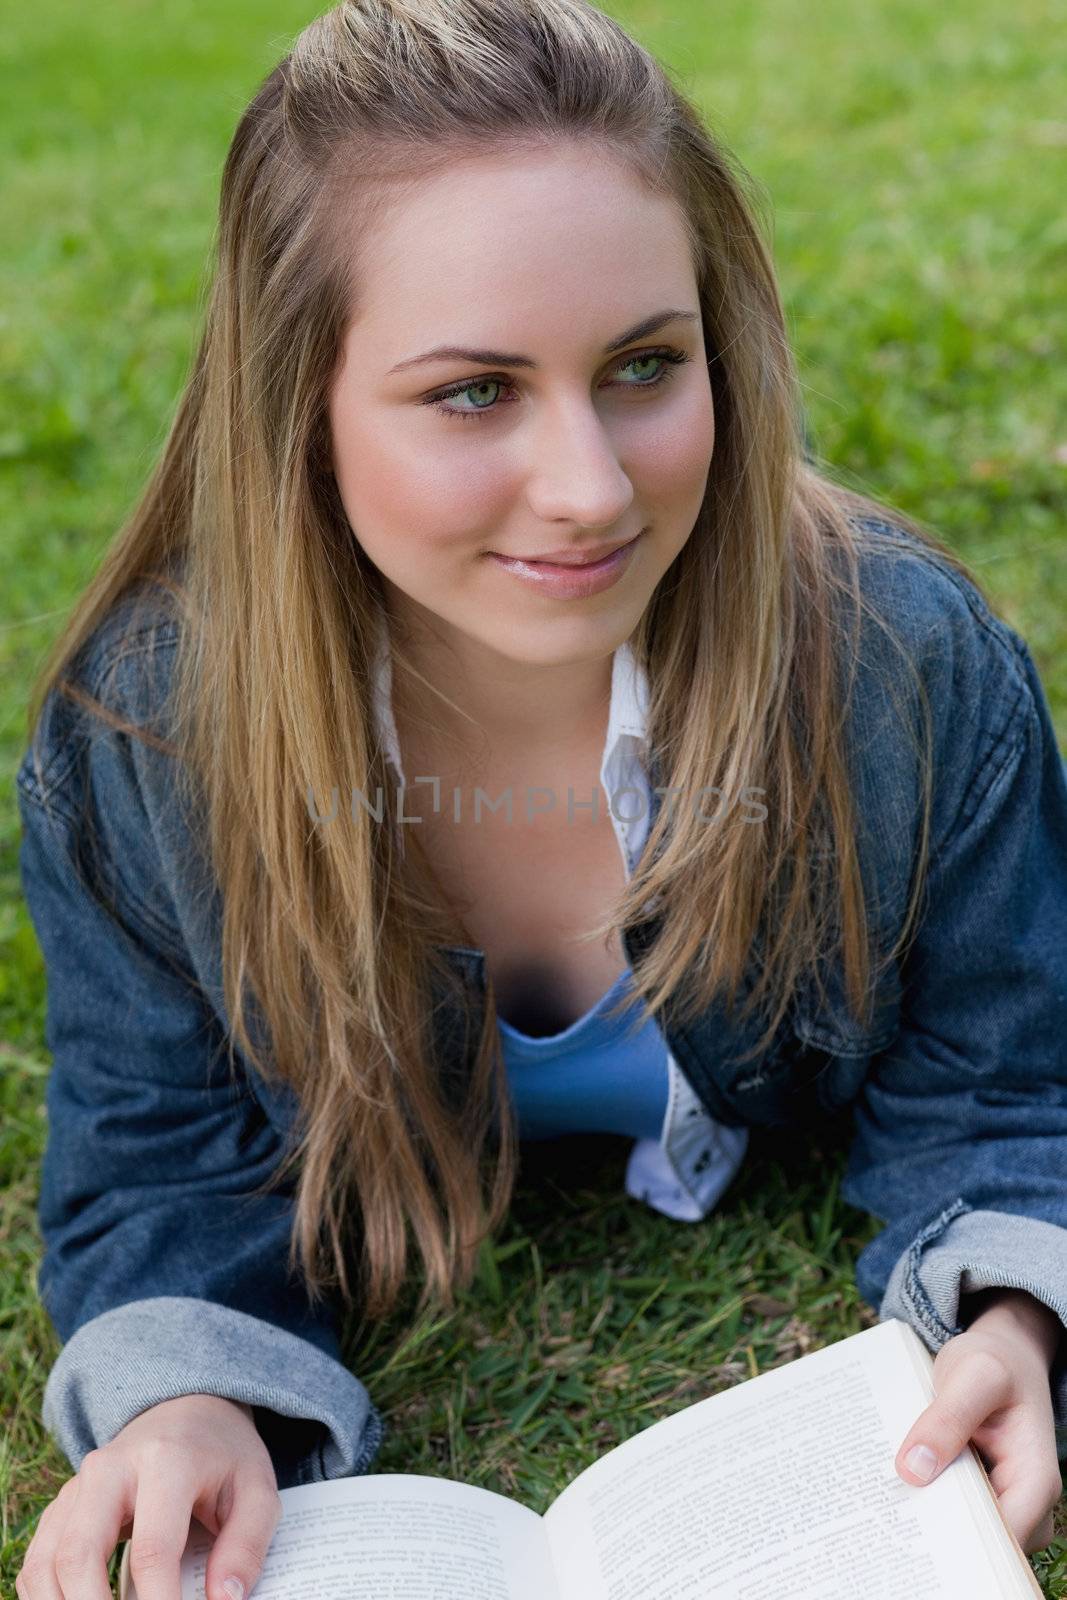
912	169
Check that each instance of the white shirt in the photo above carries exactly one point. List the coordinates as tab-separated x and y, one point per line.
684	1173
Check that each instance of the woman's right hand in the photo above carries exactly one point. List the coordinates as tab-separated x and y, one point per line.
198	1455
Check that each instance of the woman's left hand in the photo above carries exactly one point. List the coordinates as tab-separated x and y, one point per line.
992	1389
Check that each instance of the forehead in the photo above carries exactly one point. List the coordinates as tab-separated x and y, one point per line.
568	229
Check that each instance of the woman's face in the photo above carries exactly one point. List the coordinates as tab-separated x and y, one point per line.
550	439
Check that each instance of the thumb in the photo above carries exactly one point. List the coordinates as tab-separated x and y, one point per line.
965	1397
237	1556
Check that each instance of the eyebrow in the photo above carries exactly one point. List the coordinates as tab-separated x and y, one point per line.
503	358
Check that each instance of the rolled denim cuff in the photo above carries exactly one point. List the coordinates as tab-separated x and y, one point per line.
963	1251
315	1418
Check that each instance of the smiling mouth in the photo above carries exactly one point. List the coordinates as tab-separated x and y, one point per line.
573	560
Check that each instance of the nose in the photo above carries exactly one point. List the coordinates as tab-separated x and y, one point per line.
575	473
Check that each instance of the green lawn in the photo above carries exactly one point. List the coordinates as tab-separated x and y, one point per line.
912	163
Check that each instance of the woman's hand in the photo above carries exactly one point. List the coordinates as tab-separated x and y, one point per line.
992	1389
199	1455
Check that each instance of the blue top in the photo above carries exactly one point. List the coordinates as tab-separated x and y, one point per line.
597	1076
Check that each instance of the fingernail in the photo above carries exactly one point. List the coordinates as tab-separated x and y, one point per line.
921	1461
235	1587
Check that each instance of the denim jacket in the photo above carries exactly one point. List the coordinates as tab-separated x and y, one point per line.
164	1272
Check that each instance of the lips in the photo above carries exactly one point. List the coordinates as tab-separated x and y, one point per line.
570	558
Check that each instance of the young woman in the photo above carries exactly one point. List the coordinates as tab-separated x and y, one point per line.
489	482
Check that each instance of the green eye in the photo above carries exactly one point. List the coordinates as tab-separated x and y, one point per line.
667	355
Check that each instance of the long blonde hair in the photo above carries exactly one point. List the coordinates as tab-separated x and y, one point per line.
331	932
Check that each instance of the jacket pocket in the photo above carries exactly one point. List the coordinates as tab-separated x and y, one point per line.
846	1042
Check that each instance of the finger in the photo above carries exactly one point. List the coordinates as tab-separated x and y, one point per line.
37	1580
93	1523
1041	1537
1027	1506
165	1496
965	1397
238	1553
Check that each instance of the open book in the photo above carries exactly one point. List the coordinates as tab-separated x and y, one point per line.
782	1486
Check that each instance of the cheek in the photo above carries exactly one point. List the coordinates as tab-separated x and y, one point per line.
405	502
676	455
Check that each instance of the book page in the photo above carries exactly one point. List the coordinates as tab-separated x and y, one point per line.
393	1536
785	1484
